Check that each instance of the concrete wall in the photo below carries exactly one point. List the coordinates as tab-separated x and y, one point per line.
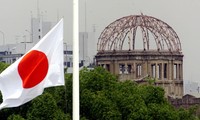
165	67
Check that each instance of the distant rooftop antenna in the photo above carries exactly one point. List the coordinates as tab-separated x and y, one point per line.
40	20
57	15
31	33
85	16
94	28
38	9
85	32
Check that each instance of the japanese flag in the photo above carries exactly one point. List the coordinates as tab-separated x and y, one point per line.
40	67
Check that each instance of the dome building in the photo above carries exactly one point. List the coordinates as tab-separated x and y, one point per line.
137	46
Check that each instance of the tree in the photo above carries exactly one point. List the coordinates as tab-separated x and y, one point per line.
94	103
96	80
3	66
15	117
44	107
102	97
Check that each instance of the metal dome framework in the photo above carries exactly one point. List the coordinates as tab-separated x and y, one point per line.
115	34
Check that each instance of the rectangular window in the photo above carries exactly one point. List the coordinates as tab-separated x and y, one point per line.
175	71
138	70
121	68
129	69
108	67
165	70
153	70
160	71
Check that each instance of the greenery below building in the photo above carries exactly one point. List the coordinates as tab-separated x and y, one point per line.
102	97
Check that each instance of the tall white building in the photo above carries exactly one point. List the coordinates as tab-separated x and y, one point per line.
11	52
39	28
83	46
86	47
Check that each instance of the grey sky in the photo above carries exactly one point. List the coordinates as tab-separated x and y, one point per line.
182	15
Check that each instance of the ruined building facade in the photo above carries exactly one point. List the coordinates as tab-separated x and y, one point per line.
160	56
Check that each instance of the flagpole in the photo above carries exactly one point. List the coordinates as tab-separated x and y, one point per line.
75	60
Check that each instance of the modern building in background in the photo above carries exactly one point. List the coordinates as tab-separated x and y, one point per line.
86	53
192	88
83	47
9	53
39	28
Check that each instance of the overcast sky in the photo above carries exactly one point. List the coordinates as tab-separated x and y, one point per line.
182	15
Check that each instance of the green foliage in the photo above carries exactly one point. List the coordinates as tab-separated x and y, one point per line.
96	80
15	117
150	80
185	114
42	108
102	97
162	111
93	98
68	94
3	66
103	108
192	113
152	94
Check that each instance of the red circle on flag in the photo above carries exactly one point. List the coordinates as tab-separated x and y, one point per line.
33	68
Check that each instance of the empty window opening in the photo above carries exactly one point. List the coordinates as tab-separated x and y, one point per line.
165	70
175	71
180	71
121	68
159	71
153	70
129	68
138	70
108	67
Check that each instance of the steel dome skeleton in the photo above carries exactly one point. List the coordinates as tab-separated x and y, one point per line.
115	34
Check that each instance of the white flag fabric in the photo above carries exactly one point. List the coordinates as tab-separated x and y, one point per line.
39	68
